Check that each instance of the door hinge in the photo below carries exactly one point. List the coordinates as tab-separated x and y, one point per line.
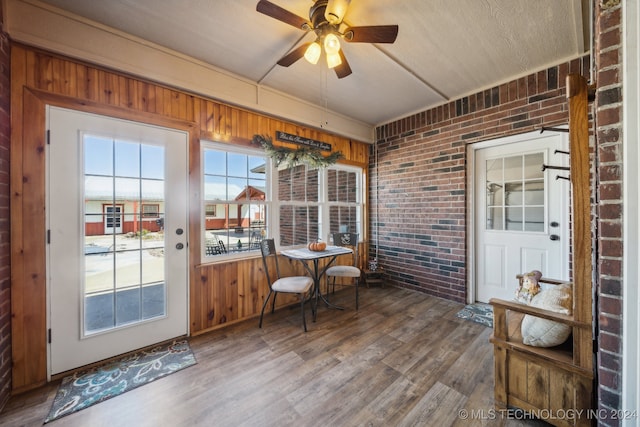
48	137
48	237
49	335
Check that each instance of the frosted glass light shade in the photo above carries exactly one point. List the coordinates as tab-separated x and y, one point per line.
312	54
333	60
331	44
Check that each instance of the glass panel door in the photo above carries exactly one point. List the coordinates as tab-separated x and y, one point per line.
124	279
117	260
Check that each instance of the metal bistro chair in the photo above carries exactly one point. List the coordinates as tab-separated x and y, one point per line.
300	285
348	240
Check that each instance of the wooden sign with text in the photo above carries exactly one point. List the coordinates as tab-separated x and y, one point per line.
296	139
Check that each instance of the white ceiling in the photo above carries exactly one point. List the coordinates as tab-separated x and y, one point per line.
445	48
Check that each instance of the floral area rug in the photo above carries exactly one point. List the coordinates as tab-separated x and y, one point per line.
479	313
83	389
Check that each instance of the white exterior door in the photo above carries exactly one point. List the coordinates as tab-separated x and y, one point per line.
113	285
521	212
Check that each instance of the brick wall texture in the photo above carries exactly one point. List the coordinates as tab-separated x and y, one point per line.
5	249
608	124
418	187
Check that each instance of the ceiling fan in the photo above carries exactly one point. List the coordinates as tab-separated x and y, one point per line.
325	19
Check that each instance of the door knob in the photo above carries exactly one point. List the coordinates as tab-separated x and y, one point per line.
554	237
179	246
179	231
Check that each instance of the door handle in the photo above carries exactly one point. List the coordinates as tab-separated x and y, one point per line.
179	246
554	237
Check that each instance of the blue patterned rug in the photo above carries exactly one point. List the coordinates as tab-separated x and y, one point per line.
83	389
479	313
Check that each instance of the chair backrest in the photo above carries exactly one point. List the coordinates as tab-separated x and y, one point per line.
268	249
348	240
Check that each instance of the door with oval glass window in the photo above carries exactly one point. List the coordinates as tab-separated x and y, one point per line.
117	257
521	212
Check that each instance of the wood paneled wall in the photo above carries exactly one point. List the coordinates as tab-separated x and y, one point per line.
220	293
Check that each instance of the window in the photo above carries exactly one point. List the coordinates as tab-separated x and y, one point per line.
150	211
245	199
313	203
344	189
235	199
210	211
515	193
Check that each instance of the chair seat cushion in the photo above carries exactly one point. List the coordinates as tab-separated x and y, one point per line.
343	271
296	284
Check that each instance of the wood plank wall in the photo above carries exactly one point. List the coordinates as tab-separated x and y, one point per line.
220	293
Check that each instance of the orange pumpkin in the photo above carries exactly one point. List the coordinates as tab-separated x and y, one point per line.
317	246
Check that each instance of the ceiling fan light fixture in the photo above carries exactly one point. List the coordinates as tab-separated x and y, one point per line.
331	44
335	11
312	54
333	60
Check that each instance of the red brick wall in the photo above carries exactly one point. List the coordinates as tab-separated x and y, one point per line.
5	249
608	118
418	189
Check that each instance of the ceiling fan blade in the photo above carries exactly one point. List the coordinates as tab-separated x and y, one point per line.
372	34
342	70
294	55
281	14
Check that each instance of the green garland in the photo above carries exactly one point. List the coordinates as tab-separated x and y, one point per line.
290	157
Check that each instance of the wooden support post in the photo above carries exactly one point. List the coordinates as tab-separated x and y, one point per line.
577	94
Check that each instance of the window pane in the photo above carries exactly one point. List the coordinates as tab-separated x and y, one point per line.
534	193
237	165
98	156
513	194
533	166
237	189
343	219
313	189
152	162
127	189
215	162
513	219
494	170
127	157
215	188
534	219
513	168
299	184
286	225
494	219
352	187
332	183
494	194
284	184
257	167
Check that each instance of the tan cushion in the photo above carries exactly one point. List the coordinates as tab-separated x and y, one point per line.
343	271
293	284
539	332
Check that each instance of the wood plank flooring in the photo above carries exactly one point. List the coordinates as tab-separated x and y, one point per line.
404	359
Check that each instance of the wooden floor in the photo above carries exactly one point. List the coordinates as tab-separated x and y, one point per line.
403	359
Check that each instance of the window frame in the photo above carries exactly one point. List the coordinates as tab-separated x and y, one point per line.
267	203
272	204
